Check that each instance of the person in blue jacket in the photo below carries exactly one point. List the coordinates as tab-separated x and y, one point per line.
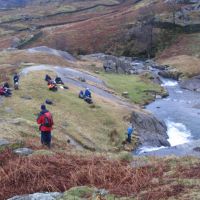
88	93
130	131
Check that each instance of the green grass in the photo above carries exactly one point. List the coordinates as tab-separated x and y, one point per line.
88	126
84	192
134	85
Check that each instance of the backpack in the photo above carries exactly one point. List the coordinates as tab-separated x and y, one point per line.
48	120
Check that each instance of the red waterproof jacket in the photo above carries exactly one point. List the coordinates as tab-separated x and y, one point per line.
41	120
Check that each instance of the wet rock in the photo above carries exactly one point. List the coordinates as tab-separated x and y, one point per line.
38	196
170	74
187	149
150	62
151	131
23	151
196	149
191	84
4	142
160	67
197	106
158	96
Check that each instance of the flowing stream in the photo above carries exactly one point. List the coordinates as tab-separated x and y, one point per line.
180	111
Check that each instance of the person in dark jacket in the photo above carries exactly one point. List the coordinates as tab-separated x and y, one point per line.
58	80
15	78
45	120
47	78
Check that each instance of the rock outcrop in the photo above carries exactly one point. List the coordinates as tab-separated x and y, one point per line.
188	149
151	131
23	151
172	74
191	84
38	196
121	64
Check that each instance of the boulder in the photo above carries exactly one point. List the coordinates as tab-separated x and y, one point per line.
23	151
170	74
125	94
188	149
151	131
191	84
4	142
38	196
160	67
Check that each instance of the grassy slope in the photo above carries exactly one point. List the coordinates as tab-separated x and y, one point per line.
134	85
184	54
89	126
151	178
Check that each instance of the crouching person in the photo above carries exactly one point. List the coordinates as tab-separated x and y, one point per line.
45	120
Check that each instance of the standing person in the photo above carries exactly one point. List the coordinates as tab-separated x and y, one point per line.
130	130
16	81
45	120
15	78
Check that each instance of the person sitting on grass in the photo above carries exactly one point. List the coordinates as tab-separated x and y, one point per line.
58	80
52	85
87	93
47	78
81	94
88	96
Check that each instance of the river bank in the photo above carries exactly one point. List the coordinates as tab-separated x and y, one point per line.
180	112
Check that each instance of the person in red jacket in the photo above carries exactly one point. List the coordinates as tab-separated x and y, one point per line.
45	120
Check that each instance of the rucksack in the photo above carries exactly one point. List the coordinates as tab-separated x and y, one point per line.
48	120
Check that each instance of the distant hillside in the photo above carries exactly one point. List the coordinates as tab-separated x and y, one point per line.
122	27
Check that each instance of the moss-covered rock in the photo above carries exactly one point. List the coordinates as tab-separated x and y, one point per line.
78	193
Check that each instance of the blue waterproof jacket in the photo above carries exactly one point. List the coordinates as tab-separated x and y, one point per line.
130	130
87	93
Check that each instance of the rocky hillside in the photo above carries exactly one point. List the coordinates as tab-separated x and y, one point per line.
99	26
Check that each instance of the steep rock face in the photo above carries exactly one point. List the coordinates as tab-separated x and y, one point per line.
191	84
151	131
